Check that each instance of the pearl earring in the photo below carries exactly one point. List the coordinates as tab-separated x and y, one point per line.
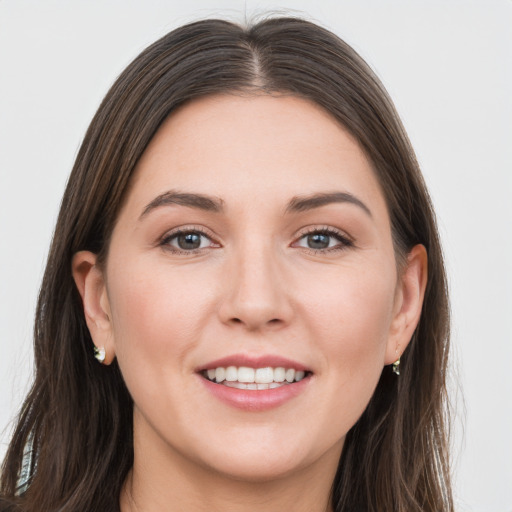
99	354
396	367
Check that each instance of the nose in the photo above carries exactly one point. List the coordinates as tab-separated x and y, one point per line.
254	294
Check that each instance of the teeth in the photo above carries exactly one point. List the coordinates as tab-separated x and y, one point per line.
264	376
231	374
246	374
252	385
254	378
279	374
220	374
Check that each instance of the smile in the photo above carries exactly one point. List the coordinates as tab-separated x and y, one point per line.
244	377
255	383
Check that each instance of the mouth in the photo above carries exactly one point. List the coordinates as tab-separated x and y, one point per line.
245	377
255	383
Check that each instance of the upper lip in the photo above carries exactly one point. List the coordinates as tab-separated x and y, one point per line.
263	361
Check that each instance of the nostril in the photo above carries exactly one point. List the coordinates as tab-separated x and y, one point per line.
273	321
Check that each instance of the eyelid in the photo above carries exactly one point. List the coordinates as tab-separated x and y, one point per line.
323	228
172	233
346	241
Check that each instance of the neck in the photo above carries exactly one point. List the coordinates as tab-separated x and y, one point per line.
299	494
165	481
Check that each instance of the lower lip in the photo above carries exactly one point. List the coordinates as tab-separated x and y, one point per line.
256	400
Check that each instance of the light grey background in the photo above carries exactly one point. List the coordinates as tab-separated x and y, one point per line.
448	66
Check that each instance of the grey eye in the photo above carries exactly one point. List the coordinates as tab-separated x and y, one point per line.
324	240
189	241
318	241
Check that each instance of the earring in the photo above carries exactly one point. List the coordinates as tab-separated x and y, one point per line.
396	367
99	354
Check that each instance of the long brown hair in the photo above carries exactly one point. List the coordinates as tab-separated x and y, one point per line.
72	447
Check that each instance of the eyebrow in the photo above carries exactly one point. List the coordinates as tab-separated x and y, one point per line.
216	205
305	203
199	201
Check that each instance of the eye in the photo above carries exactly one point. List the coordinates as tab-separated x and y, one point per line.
189	240
323	240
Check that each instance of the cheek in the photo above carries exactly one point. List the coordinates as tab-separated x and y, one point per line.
354	337
351	320
157	316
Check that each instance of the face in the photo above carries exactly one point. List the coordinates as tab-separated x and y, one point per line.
254	236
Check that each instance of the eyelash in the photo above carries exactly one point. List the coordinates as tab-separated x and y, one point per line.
345	241
166	240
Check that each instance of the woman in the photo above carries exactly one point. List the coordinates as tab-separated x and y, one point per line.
245	303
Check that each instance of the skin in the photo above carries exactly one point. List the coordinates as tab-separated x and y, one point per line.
254	287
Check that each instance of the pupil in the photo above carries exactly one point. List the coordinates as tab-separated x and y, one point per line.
318	241
189	241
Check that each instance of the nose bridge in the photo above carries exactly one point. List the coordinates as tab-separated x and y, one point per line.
255	295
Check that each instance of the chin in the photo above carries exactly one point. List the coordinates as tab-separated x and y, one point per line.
261	459
259	471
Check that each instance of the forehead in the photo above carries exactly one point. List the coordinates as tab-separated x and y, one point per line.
260	148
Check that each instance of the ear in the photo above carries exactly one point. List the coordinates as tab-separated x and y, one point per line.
90	282
408	302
